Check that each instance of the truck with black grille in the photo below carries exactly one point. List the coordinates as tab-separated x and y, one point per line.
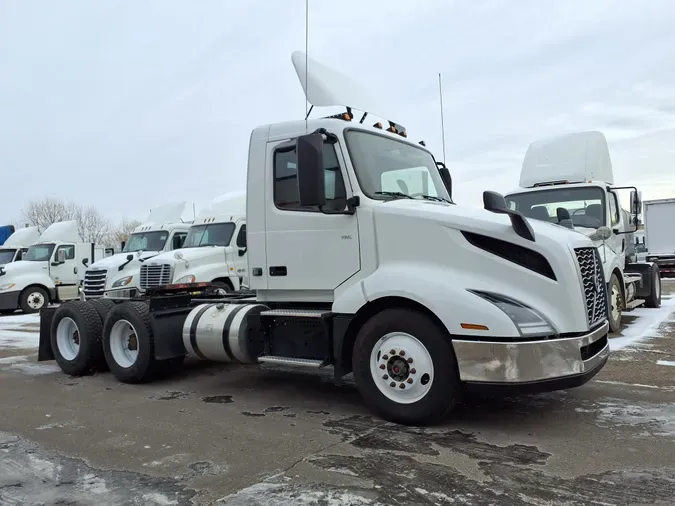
568	180
359	261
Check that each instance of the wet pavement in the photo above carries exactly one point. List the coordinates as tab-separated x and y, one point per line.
238	435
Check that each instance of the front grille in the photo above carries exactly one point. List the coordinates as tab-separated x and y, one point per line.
593	279
94	282
155	275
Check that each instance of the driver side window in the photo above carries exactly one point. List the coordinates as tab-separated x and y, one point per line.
69	249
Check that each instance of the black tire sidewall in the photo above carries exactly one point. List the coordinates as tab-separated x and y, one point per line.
145	361
614	326
89	353
223	285
445	389
655	298
23	302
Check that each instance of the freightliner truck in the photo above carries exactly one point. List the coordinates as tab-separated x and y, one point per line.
335	282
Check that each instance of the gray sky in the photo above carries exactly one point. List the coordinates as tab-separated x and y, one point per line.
128	104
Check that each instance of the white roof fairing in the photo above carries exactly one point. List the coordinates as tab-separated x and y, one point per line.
22	238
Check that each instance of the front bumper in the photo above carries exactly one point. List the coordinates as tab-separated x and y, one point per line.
9	300
534	365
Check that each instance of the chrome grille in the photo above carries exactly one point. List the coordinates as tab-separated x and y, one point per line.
594	283
94	282
155	275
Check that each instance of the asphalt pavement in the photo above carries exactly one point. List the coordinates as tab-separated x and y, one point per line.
243	435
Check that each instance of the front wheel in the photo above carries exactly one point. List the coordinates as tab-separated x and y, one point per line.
615	303
405	367
33	299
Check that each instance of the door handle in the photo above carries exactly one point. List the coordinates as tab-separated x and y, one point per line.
278	270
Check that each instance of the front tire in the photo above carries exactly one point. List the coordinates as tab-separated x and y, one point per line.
33	299
75	337
615	303
653	300
405	367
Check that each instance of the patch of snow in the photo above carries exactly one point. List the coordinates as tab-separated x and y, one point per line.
278	494
666	362
94	485
637	385
13	360
158	499
19	339
339	470
644	326
653	419
20	319
31	369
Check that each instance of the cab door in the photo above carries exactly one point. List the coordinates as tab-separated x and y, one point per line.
63	265
240	252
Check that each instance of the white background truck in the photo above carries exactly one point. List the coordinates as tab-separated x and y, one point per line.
660	234
118	276
50	271
214	251
477	305
17	244
573	173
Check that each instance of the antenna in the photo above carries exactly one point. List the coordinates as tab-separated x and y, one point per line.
440	92
307	109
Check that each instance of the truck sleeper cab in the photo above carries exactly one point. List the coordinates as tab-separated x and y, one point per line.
477	305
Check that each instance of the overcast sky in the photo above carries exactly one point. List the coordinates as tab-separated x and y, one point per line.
128	104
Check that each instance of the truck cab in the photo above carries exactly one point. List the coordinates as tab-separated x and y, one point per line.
118	275
50	271
16	245
569	179
214	250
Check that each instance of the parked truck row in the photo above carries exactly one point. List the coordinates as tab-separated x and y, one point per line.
477	305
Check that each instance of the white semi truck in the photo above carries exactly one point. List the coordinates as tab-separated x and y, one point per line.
50	271
659	235
118	276
569	180
476	305
17	244
214	250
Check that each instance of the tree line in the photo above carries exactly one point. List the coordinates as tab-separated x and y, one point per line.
92	225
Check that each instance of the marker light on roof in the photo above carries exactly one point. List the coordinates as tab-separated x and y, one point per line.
378	125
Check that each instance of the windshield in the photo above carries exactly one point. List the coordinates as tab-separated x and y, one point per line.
6	256
585	205
388	168
216	234
146	241
39	253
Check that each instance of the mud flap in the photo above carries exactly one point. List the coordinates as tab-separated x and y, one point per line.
45	348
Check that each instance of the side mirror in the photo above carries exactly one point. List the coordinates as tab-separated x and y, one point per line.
130	257
242	251
564	218
495	202
122	245
602	234
311	176
61	256
85	262
635	204
447	179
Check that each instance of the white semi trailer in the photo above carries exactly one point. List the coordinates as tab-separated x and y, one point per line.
569	179
660	234
476	305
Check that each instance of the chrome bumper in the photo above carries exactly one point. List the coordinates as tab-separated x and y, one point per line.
533	361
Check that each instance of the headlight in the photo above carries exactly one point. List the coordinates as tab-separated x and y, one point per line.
7	286
185	279
122	282
528	321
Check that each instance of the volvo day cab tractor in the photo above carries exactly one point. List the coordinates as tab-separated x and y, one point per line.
16	245
118	276
50	271
214	250
332	205
568	180
659	235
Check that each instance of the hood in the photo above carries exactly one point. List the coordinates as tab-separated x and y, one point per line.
115	261
22	267
482	221
191	255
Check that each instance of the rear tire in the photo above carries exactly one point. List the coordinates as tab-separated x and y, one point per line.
423	368
129	345
223	285
103	308
33	299
653	300
75	337
615	303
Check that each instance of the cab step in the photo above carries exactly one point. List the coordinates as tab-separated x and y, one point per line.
634	303
302	362
296	313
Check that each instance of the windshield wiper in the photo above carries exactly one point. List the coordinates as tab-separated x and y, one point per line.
395	194
436	199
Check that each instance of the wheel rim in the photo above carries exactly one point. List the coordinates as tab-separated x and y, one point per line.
401	368
124	343
68	338
616	314
657	286
35	300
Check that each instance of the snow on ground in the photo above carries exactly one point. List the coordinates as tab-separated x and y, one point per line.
19	331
